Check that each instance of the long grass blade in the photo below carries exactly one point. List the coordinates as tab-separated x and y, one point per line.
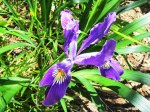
93	93
14	45
133	97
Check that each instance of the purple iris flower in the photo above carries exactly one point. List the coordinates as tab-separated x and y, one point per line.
103	60
58	76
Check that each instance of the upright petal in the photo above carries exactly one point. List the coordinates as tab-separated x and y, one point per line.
97	58
113	71
70	28
98	31
66	17
73	50
56	92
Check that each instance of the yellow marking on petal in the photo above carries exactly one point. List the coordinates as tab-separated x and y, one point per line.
59	75
106	65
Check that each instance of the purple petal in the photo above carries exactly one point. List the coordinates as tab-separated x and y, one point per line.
66	65
56	92
113	72
48	78
66	16
70	35
98	31
115	64
98	58
73	50
70	28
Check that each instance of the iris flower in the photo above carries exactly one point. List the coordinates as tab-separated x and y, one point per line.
58	76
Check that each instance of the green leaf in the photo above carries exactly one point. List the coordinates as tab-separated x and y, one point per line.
131	6
21	34
93	93
79	1
133	26
14	13
132	49
62	101
129	38
8	88
133	97
92	11
110	6
45	10
3	22
129	75
90	15
136	76
14	45
126	42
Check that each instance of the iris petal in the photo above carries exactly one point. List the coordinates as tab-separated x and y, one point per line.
109	73
98	31
66	16
57	79
97	58
73	50
56	92
48	78
113	72
70	28
117	67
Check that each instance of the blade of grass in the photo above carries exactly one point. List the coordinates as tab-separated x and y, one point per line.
9	87
93	93
126	42
79	1
15	14
133	97
133	49
14	45
129	38
133	5
62	101
91	14
110	6
23	35
136	76
133	26
45	10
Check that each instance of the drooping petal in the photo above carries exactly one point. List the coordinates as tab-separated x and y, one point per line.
56	92
115	64
97	58
98	31
48	78
113	72
110	73
56	79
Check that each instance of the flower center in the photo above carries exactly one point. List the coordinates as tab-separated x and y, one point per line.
59	76
106	65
